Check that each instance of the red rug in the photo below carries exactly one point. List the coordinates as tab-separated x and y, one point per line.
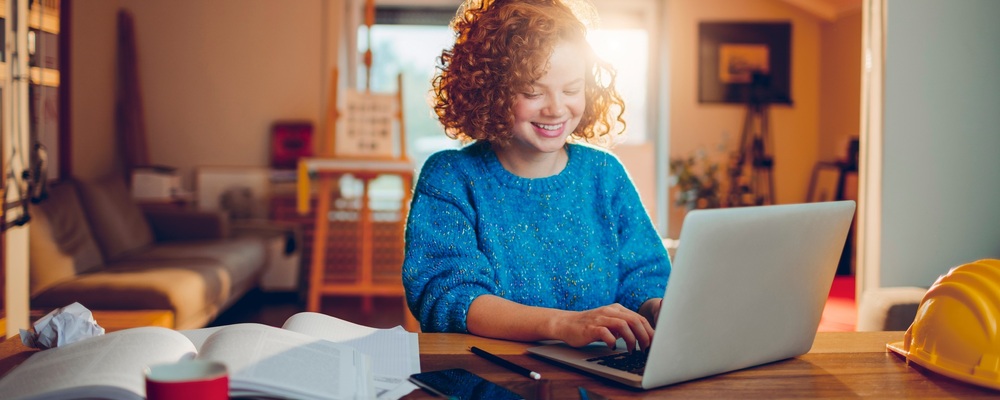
841	312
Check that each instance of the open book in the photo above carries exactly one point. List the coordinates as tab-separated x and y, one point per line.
394	354
302	360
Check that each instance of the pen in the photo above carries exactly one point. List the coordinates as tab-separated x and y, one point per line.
513	367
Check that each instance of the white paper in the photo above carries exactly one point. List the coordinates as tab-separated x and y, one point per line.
263	359
394	353
62	326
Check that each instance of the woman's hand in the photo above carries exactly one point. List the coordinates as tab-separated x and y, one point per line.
605	324
496	317
651	309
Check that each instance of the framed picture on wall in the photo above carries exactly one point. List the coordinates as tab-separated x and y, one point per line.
741	60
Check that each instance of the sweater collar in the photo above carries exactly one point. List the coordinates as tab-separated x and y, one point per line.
495	169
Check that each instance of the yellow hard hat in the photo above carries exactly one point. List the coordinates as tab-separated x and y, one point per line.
955	330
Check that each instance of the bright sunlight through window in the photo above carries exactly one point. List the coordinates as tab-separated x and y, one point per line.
628	51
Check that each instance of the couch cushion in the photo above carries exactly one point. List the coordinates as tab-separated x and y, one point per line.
243	258
60	243
117	221
195	289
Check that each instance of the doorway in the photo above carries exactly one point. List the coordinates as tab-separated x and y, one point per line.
820	126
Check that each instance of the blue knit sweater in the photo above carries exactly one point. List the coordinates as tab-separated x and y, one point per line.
574	241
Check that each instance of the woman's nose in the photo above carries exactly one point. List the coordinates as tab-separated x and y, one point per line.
555	107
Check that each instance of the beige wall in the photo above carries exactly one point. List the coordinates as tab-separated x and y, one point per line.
215	75
840	85
640	162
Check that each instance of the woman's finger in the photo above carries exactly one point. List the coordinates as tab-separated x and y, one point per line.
622	329
605	335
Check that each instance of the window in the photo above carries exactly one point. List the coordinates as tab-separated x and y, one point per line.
631	62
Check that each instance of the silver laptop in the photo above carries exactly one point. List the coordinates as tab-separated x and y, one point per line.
748	287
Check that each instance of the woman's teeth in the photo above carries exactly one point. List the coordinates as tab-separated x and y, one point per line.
549	127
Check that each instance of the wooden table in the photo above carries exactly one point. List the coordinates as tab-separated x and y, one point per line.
839	365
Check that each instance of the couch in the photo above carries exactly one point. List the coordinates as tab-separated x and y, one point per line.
90	242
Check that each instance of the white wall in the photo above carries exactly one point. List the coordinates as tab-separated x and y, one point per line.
941	168
840	85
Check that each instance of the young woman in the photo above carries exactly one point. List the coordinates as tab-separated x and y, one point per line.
527	233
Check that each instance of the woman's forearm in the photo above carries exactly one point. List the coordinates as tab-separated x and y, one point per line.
496	317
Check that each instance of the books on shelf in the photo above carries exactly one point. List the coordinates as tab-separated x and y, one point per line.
313	356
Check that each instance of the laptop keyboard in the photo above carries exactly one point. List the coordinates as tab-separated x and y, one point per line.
634	362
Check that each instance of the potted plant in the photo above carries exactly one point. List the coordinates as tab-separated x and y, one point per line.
696	181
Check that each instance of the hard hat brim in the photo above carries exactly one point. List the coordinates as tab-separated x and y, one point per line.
964	376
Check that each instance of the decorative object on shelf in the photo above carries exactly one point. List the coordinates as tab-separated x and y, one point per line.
290	141
696	189
156	183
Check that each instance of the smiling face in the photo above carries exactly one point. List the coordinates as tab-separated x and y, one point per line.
549	110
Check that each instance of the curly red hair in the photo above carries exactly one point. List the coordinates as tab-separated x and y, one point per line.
501	48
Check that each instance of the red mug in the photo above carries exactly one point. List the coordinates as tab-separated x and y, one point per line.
188	379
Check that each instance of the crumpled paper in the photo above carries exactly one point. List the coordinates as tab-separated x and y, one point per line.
62	326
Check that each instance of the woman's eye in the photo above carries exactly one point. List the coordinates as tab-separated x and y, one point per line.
531	95
571	91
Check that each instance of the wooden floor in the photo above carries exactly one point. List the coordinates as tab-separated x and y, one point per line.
273	308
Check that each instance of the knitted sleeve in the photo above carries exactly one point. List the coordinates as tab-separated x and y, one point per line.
644	263
443	269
